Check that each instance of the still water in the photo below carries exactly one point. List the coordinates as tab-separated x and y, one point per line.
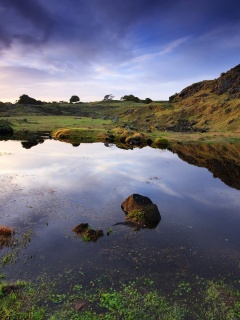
47	190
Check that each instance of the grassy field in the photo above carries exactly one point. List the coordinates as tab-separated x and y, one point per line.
96	121
50	123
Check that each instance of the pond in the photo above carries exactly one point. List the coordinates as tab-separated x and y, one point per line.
50	188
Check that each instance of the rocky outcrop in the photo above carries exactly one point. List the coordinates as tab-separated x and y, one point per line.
228	83
141	211
194	88
87	233
185	126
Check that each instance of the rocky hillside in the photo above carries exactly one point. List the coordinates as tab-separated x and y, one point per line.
212	104
228	83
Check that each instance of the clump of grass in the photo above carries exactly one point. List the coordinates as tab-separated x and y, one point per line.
20	303
137	138
131	303
161	143
219	302
131	137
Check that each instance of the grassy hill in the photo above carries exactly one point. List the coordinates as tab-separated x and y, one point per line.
207	110
213	103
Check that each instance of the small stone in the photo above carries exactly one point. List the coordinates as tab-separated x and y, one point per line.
79	304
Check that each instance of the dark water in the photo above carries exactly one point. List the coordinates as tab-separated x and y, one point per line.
53	186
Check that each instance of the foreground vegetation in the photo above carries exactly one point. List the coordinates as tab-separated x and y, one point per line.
203	300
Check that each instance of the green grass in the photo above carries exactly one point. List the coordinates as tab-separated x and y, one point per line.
220	116
138	299
50	123
21	303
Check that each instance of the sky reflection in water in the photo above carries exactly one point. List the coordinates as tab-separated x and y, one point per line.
54	186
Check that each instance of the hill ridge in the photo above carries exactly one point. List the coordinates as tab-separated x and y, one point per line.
228	83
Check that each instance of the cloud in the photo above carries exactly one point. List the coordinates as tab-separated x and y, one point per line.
223	36
151	44
106	29
24	21
166	49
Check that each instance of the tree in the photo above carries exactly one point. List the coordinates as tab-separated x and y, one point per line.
74	99
130	97
148	100
108	97
25	99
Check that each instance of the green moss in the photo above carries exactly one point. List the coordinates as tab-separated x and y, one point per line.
136	216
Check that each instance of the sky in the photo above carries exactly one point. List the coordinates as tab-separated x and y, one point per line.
53	49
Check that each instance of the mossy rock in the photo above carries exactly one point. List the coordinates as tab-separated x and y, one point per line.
141	211
135	202
6	234
87	233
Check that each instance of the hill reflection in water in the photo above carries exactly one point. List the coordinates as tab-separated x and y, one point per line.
223	160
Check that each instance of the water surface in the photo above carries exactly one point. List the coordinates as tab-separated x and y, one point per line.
53	186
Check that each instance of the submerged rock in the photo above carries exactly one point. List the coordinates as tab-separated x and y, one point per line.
6	234
87	233
8	289
141	211
80	228
6	231
79	304
134	202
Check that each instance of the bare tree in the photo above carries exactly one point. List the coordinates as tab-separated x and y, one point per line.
108	97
